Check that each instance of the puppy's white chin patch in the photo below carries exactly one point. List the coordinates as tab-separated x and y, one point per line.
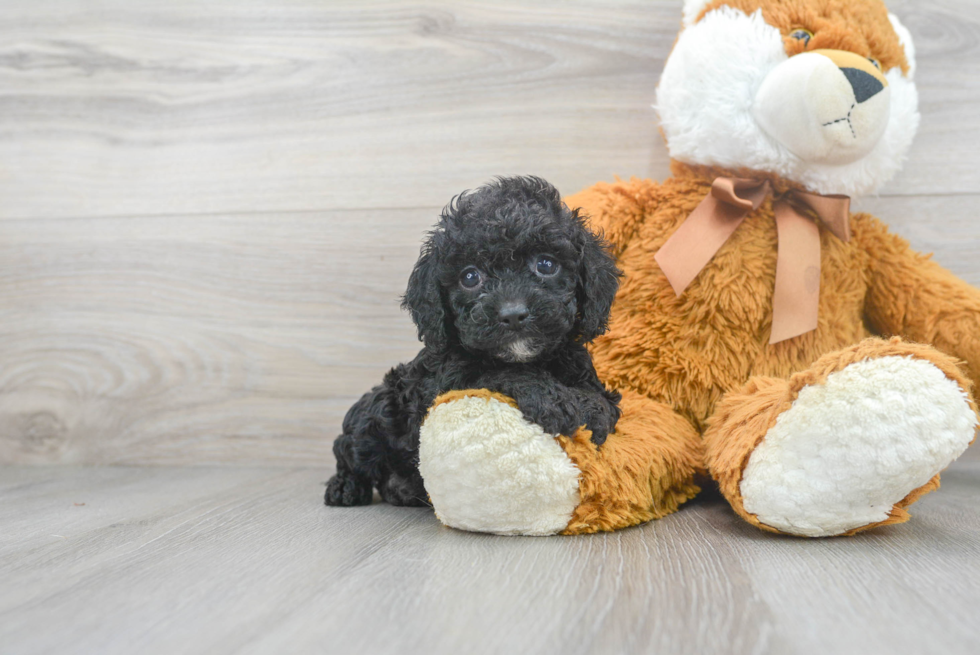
522	350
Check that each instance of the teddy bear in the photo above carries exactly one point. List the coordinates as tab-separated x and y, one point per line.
806	359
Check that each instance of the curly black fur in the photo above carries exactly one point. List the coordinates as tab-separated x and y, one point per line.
508	289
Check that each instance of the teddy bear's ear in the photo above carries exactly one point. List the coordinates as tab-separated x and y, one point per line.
905	38
692	9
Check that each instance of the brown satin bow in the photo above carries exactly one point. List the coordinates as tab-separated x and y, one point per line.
796	297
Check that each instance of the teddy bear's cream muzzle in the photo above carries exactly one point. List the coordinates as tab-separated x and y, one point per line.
824	106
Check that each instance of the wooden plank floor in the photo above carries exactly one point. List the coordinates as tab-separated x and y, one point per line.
247	560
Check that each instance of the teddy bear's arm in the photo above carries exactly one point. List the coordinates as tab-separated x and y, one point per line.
617	209
910	295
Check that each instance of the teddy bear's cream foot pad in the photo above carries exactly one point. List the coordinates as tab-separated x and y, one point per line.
487	469
850	449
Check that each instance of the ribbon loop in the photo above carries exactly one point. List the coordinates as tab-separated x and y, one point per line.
707	229
834	211
796	297
731	189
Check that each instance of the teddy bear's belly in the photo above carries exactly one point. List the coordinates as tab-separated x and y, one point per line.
688	351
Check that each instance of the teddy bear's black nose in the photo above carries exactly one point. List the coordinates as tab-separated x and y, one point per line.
513	314
864	84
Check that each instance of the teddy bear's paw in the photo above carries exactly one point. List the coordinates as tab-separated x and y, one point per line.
487	469
851	449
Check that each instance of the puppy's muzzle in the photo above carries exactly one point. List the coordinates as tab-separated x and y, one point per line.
513	315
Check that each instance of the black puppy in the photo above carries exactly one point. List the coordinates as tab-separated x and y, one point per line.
508	289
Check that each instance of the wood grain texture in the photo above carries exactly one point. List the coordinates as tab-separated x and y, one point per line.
246	560
226	339
210	209
201	339
238	106
117	108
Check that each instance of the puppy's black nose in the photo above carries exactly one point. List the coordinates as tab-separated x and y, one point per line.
513	314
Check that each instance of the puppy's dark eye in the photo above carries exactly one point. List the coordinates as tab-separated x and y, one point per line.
877	64
470	278
545	265
802	35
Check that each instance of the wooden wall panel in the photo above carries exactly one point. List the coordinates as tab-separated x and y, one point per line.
118	108
209	210
202	338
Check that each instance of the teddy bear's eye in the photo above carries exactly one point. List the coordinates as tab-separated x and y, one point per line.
877	64
802	35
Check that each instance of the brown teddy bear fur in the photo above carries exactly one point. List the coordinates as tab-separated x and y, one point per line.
688	352
701	383
643	471
858	26
706	354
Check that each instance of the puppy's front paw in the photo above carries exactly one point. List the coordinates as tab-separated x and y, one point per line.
599	433
601	424
407	492
551	418
348	491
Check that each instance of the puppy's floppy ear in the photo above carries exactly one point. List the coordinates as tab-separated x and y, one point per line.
598	281
423	298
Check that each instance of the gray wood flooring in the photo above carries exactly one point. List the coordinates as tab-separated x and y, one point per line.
246	560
